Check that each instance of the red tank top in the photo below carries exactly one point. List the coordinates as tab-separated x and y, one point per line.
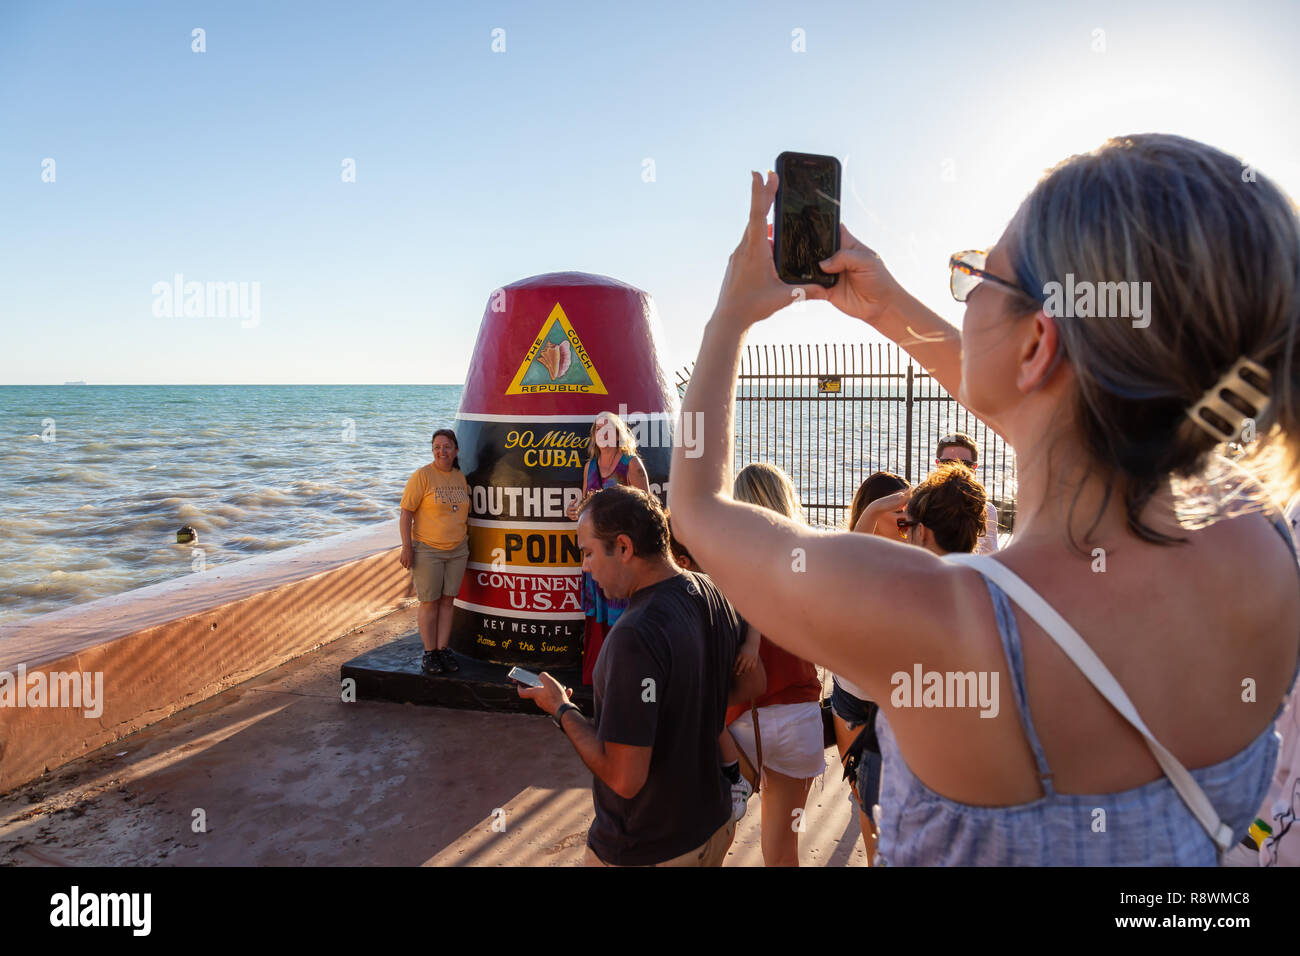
790	680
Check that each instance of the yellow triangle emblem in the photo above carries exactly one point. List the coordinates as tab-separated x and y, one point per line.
557	362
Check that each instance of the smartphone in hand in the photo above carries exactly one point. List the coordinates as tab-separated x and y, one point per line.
527	678
807	227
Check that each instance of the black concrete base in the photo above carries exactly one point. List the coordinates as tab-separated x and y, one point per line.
392	672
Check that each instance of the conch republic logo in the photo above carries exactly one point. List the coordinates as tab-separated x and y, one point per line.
557	362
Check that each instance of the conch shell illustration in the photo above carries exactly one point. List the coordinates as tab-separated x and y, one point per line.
556	357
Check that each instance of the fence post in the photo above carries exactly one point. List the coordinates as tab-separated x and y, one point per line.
907	445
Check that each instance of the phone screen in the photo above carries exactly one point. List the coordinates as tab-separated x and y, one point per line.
808	216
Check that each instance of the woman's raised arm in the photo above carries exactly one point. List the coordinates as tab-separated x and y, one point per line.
868	291
811	592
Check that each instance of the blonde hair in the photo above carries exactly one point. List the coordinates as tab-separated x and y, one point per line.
626	442
1220	246
768	487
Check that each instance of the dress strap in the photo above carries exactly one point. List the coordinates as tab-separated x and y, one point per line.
1011	647
1069	641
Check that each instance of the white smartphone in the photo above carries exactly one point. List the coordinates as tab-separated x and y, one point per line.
524	677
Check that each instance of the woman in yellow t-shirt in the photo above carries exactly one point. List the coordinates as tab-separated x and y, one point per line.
435	546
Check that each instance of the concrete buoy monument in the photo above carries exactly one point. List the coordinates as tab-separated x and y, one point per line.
553	352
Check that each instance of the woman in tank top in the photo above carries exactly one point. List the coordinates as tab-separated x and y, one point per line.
611	460
1132	528
789	712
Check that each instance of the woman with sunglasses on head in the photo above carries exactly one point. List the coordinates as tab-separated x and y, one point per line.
1113	615
853	712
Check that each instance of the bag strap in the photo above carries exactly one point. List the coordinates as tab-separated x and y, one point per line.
758	746
1069	641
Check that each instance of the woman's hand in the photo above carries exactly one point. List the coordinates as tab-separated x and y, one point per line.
751	289
865	289
405	557
888	508
895	502
571	512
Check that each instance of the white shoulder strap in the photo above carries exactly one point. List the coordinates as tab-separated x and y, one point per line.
1069	641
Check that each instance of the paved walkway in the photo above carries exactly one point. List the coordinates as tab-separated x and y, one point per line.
282	772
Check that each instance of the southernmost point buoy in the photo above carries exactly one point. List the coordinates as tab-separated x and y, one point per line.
553	352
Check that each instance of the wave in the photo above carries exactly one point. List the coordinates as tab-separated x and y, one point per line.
253	469
279	497
252	543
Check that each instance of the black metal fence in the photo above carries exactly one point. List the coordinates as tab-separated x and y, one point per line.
830	415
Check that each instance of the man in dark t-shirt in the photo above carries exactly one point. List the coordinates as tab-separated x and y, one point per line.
662	684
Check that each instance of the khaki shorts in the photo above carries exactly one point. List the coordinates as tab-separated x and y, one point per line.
711	853
437	573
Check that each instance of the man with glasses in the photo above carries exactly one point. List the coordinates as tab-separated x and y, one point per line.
960	447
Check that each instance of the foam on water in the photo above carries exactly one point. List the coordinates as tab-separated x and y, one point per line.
253	469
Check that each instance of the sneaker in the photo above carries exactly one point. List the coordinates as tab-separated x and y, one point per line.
740	794
431	663
448	659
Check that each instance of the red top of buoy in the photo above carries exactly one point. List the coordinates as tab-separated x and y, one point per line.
566	343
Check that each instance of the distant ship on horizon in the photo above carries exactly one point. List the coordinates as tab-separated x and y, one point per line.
74	383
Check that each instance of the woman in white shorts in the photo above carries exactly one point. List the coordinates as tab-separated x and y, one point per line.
789	711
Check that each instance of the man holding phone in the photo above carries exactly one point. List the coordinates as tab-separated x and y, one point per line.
662	685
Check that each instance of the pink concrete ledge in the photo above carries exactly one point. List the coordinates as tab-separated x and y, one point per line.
166	647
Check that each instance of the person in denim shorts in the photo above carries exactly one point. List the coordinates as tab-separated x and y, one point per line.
855	714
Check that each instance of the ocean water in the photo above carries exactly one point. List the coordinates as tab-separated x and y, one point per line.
96	480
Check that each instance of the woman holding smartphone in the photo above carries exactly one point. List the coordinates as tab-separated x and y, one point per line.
1108	417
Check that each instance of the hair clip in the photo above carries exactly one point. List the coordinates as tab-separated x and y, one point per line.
1241	394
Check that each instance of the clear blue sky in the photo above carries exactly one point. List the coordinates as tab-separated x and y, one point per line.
475	168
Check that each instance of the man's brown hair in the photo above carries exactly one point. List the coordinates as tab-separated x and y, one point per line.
621	509
958	440
951	503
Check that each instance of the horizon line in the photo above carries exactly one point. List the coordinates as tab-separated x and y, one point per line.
180	384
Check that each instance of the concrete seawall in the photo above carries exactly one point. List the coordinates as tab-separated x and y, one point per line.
166	647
